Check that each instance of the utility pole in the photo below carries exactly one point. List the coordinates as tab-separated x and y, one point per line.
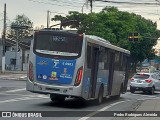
17	28
83	6
48	18
3	39
16	65
91	4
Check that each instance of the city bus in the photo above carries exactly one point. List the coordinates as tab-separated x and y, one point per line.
65	65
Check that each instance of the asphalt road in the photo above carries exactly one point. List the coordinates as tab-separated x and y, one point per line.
14	97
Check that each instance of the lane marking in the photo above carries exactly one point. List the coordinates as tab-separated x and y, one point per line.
141	95
37	95
23	77
149	98
16	90
21	99
100	110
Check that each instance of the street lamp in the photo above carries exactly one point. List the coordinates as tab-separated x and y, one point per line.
17	27
83	6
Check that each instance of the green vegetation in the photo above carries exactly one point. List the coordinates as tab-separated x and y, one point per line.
114	25
20	20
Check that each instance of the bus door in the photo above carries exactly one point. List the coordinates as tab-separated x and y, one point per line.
94	70
111	71
126	74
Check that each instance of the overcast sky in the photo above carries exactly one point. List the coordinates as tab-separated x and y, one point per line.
36	10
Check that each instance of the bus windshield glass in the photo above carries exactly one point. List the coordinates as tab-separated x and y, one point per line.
58	44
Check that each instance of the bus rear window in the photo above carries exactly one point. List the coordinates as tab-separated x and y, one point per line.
58	44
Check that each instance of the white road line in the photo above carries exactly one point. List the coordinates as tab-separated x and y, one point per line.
17	94
149	98
141	95
98	111
24	95
21	99
23	77
16	90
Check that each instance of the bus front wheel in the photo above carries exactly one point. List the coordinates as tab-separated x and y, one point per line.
57	98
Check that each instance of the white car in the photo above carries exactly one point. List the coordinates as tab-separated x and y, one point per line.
146	82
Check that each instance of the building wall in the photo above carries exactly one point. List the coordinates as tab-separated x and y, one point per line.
10	55
26	58
21	64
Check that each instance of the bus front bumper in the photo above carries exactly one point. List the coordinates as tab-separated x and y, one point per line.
50	89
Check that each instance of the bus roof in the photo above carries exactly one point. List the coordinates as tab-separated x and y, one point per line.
91	38
54	30
105	43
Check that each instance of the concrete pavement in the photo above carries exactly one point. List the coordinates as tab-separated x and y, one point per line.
152	106
13	75
147	105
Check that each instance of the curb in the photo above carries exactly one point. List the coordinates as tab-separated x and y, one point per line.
13	72
16	79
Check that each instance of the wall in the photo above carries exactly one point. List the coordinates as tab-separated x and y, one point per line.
26	57
11	55
1	54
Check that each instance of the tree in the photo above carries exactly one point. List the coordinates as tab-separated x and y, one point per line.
21	20
114	25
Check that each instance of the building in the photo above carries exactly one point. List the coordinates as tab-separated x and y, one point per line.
10	54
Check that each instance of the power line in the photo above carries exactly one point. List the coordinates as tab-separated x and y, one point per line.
58	12
48	3
149	3
68	2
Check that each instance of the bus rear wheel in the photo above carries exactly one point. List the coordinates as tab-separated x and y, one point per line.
57	98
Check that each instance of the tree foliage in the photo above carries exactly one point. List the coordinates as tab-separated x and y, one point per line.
114	25
20	20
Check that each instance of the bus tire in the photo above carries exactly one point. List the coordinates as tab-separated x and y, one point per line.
57	98
100	96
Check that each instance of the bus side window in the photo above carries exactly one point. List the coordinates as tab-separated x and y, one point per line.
124	62
117	61
121	62
106	59
89	49
102	59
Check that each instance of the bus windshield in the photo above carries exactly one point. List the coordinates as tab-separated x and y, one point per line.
58	44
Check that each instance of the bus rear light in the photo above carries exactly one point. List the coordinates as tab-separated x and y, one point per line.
79	76
148	81
31	76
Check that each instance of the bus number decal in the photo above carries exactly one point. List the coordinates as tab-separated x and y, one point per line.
67	64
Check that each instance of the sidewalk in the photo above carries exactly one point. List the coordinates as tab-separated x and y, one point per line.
13	75
147	106
150	106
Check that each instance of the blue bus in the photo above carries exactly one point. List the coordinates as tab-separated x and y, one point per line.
66	64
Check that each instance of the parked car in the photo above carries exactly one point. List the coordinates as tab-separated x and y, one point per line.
146	82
